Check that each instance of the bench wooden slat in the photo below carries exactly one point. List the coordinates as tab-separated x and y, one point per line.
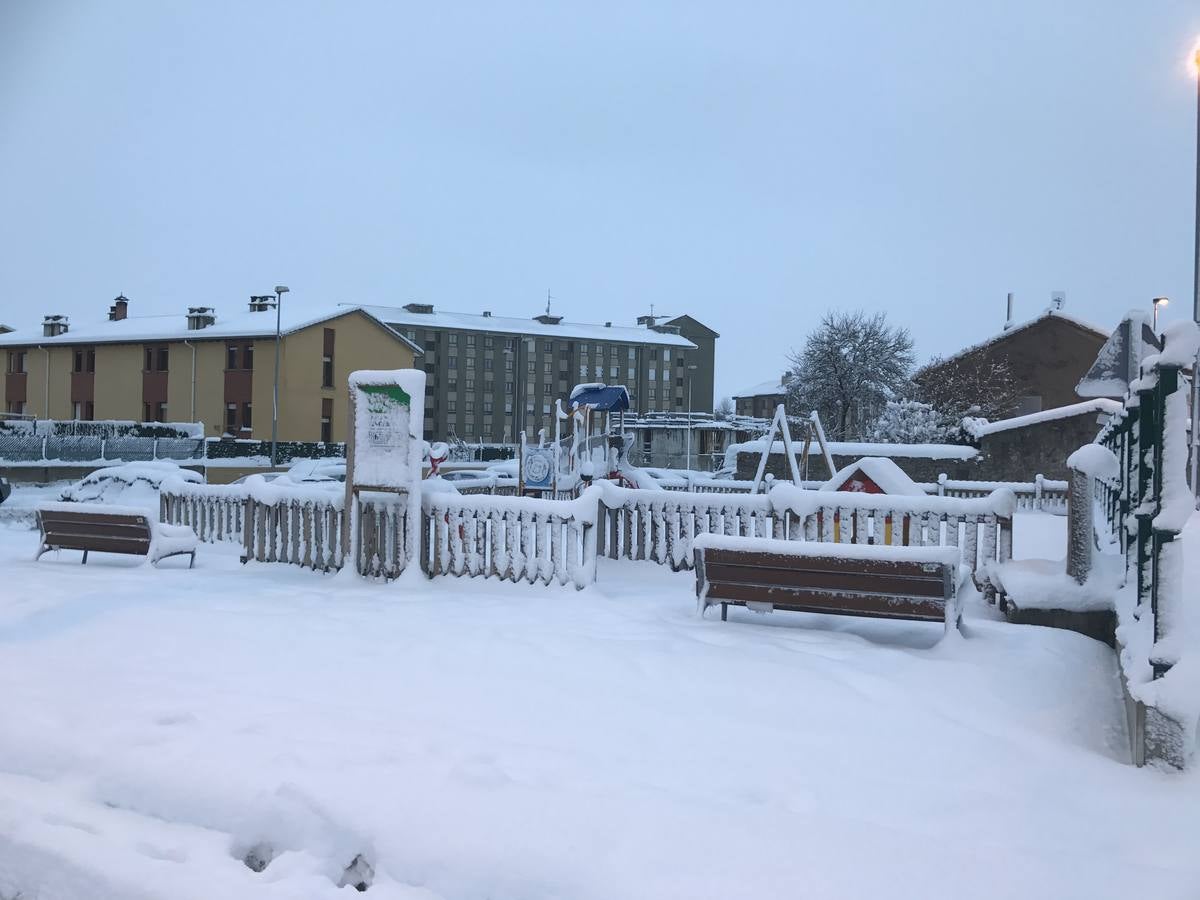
857	603
816	562
924	585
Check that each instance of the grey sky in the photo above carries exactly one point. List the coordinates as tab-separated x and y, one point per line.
749	164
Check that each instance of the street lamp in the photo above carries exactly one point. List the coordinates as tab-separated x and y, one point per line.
690	377
280	290
1196	294
1158	301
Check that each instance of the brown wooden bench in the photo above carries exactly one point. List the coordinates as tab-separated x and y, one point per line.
919	583
107	529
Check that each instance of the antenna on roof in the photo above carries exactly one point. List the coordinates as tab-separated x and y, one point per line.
547	301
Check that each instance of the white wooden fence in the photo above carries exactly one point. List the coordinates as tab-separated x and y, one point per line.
215	512
533	540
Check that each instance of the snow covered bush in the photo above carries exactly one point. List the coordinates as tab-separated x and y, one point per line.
912	422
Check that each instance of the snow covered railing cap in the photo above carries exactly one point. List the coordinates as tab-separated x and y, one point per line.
1001	502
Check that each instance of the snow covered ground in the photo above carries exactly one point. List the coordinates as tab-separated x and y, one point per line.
482	740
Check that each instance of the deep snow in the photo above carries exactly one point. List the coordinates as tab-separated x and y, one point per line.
487	740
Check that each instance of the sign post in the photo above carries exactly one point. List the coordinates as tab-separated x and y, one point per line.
384	448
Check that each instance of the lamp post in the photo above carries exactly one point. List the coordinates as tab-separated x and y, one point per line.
690	377
280	290
1158	301
1196	294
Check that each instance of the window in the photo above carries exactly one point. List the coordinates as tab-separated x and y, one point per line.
451	405
452	362
632	355
149	360
231	357
487	407
508	366
230	417
583	371
16	407
430	344
583	348
612	351
248	357
508	343
599	372
632	375
508	406
487	364
653	374
451	384
89	410
666	354
77	364
411	334
327	371
469	384
545	409
76	410
326	420
488	343
508	387
161	360
612	372
452	339
246	417
470	362
469	406
429	368
653	395
546	367
16	361
548	346
530	365
470	340
154	412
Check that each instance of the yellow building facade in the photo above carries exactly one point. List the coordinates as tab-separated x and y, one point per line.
199	368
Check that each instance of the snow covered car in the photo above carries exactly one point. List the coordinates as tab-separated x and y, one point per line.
312	471
5	489
134	484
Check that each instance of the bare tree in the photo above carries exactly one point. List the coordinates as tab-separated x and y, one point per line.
849	368
975	384
724	409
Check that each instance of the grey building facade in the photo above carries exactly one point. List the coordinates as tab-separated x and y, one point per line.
491	377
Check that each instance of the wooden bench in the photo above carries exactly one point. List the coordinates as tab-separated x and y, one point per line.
109	529
919	583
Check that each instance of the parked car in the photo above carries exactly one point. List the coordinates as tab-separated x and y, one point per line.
127	483
5	489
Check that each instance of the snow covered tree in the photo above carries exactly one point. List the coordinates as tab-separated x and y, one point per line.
724	409
975	384
912	422
849	368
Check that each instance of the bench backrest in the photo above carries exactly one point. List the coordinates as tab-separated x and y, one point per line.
103	532
883	587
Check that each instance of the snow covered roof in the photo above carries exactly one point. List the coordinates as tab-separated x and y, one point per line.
885	473
603	397
245	323
1015	329
400	317
763	389
977	428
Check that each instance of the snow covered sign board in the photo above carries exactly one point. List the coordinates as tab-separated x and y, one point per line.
537	468
1119	359
385	429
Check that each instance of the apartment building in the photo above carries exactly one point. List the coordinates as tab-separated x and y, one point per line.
491	377
760	400
200	367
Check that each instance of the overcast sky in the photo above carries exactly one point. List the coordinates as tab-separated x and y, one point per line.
749	164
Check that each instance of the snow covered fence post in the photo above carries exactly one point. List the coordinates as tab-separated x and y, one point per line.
384	447
1089	463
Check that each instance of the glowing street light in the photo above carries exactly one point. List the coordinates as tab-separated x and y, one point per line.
1158	301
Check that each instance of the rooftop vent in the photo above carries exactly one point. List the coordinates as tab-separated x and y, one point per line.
119	309
262	302
200	317
648	321
487	313
608	324
425	309
547	319
53	326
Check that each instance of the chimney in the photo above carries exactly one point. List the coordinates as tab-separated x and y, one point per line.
119	309
648	321
262	302
425	309
487	313
1008	322
53	326
200	317
608	324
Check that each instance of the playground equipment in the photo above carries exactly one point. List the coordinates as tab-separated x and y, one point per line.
799	470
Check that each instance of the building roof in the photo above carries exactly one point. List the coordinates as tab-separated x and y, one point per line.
1022	326
763	389
678	320
398	317
140	329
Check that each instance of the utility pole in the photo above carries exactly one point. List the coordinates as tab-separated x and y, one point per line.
1196	298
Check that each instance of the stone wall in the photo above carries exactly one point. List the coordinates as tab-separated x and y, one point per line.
1017	454
918	468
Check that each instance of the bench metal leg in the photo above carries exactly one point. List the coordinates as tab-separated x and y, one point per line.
724	612
85	553
192	561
